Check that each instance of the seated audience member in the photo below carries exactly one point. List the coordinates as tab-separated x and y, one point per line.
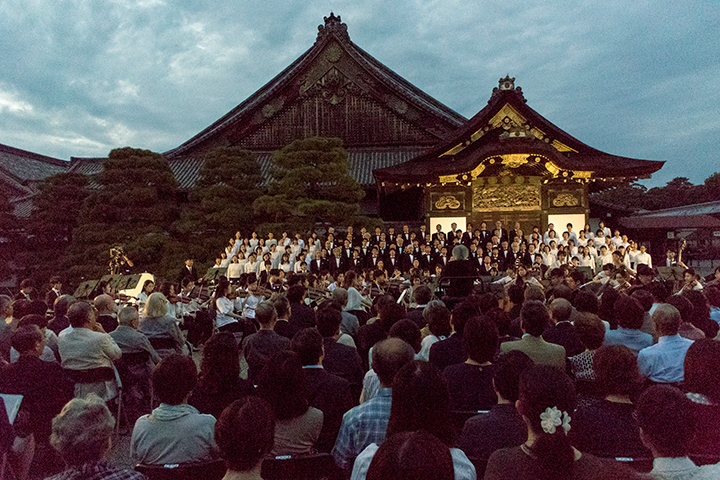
702	382
685	307
350	323
450	351
647	300
607	427
591	332
388	312
667	427
297	424
700	316
546	398
158	326
422	296
174	432
440	328
219	383
561	331
81	434
459	266
405	330
663	362
282	324
44	386
327	392
534	319
127	337
414	455
630	316
420	402
367	423
87	347
470	382
301	315
40	321
339	359
60	320
6	329
105	306
502	426
245	433
263	344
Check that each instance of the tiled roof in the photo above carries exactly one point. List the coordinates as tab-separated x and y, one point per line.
23	206
699	215
28	166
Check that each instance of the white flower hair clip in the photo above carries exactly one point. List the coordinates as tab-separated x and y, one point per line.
552	418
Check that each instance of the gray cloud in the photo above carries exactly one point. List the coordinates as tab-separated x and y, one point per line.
631	78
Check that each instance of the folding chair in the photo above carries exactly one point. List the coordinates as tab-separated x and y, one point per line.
320	466
212	470
639	464
461	416
95	379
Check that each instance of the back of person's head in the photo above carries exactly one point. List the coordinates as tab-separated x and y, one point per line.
460	315
486	301
409	331
665	417
414	455
156	305
546	397
460	252
26	338
683	305
516	294
380	301
308	345
245	433
659	291
33	319
389	356
79	314
174	378
282	384
562	291
127	315
644	297
340	296
702	369
391	313
281	304
560	310
712	293
480	339
81	431
328	321
628	312
700	312
534	317
421	402
607	304
422	294
616	370
20	308
37	307
590	330
5	303
666	319
295	293
265	313
534	293
62	303
586	302
220	364
509	367
439	321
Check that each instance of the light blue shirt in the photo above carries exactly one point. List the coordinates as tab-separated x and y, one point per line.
635	340
663	362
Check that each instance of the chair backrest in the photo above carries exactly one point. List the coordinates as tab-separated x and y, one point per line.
212	470
461	416
319	466
162	343
91	375
704	459
639	464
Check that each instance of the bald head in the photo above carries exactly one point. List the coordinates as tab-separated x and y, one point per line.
104	304
388	357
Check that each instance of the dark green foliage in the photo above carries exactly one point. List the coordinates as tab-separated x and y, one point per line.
678	192
311	185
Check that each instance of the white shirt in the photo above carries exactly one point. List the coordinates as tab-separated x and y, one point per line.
251	267
223	307
643	258
234	270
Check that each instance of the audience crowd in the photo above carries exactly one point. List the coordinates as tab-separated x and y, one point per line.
445	355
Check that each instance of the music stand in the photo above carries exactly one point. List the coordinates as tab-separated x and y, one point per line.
672	274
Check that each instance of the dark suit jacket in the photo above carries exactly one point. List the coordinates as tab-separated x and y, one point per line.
50	298
285	328
564	334
185	273
344	362
416	315
460	268
108	322
330	394
447	352
302	316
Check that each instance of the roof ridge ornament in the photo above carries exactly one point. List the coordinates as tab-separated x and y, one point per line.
333	24
507	83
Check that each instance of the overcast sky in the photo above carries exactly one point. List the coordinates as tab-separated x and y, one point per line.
632	78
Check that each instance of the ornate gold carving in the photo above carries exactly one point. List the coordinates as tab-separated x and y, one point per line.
509	197
582	174
566	200
396	104
514	160
561	147
448	179
552	168
447	201
272	108
477	171
507	117
456	149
